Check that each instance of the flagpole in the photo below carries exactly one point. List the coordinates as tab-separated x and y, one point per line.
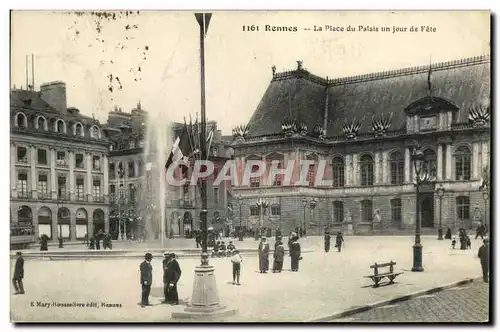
205	298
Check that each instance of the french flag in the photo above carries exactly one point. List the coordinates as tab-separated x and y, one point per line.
181	151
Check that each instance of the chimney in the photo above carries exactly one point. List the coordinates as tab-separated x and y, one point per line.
54	94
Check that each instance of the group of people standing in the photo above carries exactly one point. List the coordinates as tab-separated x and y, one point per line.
339	240
279	254
171	275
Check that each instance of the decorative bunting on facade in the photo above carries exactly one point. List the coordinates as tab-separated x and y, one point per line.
351	129
381	125
319	132
479	116
240	132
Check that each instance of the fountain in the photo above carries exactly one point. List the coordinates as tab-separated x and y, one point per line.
157	147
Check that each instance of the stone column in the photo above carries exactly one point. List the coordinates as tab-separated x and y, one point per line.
439	176
377	168
347	170
354	170
106	175
72	226
417	127
485	155
408	165
88	189
448	162
136	168
71	165
33	178
476	146
385	168
450	121
13	175
53	176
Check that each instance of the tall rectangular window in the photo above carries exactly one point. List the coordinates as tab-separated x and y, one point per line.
131	169
396	215
366	211
111	170
131	192
338	172
338	212
216	195
61	187
275	210
96	188
61	158
22	184
255	180
43	189
311	174
42	157
80	191
463	207
79	163
22	155
96	163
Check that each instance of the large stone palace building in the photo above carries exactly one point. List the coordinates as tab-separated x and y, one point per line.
58	166
365	129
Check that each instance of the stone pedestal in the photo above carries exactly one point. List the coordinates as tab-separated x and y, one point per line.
350	230
205	299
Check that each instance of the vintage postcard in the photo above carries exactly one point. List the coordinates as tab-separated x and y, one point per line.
252	166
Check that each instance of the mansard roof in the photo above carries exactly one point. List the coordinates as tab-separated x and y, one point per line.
311	99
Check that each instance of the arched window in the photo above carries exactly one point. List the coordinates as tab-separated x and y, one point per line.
41	123
338	172
311	171
338	212
94	132
255	180
366	167
430	162
462	163
60	127
397	168
463	207
21	120
79	130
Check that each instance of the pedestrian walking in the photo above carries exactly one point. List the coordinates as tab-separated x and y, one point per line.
263	255
146	279
295	253
327	240
484	256
17	279
448	234
279	255
339	240
480	231
173	275
166	259
236	260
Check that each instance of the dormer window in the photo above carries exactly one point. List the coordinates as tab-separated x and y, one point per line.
41	123
60	127
94	132
79	130
21	120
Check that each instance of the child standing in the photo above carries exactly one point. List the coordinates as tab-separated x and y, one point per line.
236	260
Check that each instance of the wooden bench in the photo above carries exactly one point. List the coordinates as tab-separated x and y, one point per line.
377	277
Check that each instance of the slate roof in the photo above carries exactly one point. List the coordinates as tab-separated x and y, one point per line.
301	95
31	100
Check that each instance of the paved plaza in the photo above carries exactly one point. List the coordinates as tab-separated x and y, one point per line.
327	283
464	304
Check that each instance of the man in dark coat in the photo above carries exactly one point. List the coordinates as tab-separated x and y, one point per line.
327	240
263	255
448	234
295	253
17	279
484	255
279	255
43	242
173	275
146	279
480	231
166	260
339	240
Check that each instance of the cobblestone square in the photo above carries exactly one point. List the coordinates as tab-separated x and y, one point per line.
327	283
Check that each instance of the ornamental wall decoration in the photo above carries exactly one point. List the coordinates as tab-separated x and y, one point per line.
381	124
351	128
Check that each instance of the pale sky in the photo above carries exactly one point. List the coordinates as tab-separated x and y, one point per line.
69	48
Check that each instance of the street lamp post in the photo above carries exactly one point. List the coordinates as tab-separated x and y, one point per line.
304	204
205	298
440	193
313	206
418	160
240	203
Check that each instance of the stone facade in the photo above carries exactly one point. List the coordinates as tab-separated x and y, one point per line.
370	167
58	166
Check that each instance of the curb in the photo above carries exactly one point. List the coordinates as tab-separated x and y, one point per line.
364	308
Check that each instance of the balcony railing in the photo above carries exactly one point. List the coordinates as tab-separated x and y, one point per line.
98	199
24	194
61	163
63	197
81	198
44	195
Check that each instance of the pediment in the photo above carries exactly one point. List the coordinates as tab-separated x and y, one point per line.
430	105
